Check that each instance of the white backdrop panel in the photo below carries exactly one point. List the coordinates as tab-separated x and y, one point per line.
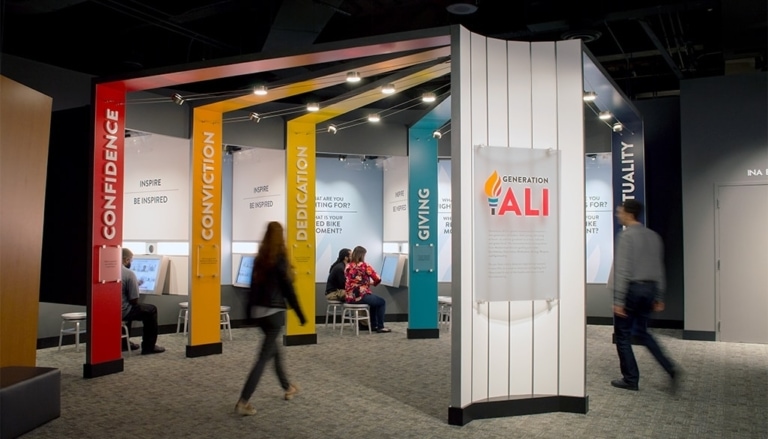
156	188
258	192
479	132
396	199
348	211
520	135
572	337
545	135
498	329
599	220
445	223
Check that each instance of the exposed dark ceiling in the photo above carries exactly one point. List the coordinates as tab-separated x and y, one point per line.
646	46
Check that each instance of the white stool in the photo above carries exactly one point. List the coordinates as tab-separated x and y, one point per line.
351	313
183	317
127	336
444	311
74	319
226	323
334	308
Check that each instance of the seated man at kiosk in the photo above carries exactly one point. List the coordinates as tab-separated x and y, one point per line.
133	310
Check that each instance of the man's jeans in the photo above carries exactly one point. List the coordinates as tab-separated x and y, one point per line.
638	307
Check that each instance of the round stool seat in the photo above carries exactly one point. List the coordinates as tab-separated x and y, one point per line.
184	304
74	319
74	316
225	308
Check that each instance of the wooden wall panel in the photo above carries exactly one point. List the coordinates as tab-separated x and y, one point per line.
25	118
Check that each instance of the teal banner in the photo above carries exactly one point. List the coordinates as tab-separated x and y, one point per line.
424	218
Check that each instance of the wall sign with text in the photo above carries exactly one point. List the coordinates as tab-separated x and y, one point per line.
515	223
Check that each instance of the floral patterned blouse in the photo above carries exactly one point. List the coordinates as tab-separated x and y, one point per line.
359	277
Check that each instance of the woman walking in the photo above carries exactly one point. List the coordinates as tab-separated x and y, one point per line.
271	289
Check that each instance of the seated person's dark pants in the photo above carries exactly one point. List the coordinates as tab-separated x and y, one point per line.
148	316
638	307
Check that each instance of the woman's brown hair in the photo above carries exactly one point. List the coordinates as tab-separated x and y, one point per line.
271	250
358	254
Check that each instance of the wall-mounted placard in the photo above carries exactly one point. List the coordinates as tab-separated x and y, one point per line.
207	263
423	258
516	224
110	258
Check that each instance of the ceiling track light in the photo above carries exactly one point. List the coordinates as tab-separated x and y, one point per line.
261	90
590	96
313	106
388	89
342	158
437	135
177	99
618	127
605	115
428	97
353	77
373	117
255	117
332	130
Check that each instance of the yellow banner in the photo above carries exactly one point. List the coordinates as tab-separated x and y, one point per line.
205	243
300	227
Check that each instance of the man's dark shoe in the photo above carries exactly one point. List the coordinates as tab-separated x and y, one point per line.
155	350
621	384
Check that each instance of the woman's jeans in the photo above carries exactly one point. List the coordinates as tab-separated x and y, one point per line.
271	326
378	308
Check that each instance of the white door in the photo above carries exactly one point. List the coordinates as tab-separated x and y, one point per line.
742	240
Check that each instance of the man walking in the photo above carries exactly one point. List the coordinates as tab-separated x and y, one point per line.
638	289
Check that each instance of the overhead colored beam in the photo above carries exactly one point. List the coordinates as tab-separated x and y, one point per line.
250	99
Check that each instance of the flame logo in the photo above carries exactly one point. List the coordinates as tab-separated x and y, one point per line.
493	190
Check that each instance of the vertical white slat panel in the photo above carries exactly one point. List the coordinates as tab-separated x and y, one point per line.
572	250
479	127
498	135
544	111
461	190
520	134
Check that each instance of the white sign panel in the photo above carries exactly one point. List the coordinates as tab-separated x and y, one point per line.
444	221
516	224
258	192
599	219
348	211
156	191
396	199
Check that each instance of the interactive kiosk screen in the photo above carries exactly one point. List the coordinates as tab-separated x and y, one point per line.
151	272
392	269
243	278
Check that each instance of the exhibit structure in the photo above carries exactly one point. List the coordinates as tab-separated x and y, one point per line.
517	130
522	101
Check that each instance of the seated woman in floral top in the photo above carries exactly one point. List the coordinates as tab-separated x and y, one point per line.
359	278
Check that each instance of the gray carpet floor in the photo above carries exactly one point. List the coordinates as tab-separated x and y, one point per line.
386	386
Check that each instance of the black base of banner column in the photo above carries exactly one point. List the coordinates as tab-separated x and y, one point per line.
423	333
204	350
517	407
299	340
101	369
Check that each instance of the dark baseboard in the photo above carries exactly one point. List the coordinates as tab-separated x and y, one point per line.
423	333
517	406
661	324
601	321
204	350
299	340
101	369
700	335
